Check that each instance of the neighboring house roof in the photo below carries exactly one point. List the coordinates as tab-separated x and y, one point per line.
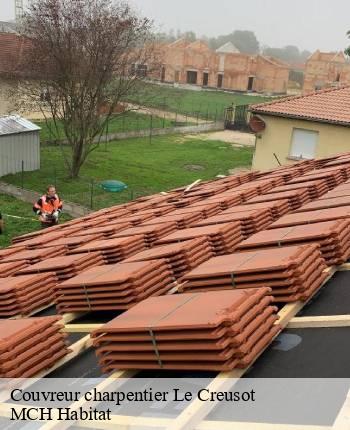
14	124
329	106
228	48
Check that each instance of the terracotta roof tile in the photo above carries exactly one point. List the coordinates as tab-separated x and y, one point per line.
330	106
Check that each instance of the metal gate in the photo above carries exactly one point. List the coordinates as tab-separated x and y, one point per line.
237	118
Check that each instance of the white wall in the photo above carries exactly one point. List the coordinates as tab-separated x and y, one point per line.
17	147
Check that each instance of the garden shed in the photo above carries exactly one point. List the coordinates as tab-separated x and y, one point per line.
19	145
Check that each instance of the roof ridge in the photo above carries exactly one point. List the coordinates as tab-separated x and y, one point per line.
301	96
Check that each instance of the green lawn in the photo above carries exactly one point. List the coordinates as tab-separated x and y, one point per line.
17	226
165	163
128	121
205	103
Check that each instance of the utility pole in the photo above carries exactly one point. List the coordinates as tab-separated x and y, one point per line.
18	10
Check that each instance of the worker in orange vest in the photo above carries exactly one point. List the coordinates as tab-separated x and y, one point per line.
48	207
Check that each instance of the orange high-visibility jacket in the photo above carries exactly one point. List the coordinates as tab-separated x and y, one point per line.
48	205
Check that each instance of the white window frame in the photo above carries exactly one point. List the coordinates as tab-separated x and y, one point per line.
308	153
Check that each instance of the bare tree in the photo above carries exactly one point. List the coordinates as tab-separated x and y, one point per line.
83	55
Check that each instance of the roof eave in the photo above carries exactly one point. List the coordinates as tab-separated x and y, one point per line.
302	118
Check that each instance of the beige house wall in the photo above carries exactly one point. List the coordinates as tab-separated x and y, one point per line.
277	138
5	105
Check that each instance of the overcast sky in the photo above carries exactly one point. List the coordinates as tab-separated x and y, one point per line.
309	24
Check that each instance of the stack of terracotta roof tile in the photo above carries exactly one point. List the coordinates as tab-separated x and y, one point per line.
230	181
332	236
296	198
345	160
180	201
206	190
333	178
133	220
21	295
7	252
181	257
245	191
9	269
325	203
38	241
114	250
182	220
154	212
116	286
74	241
263	185
105	230
216	331
151	233
33	256
277	208
65	267
310	217
339	191
31	235
344	169
246	177
207	209
315	188
320	162
30	345
251	221
225	200
274	180
292	272
222	237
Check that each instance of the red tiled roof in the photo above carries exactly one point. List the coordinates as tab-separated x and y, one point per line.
330	106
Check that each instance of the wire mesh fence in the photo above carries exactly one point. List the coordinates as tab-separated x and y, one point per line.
133	122
85	191
28	173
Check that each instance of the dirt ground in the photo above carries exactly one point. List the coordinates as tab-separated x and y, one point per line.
237	138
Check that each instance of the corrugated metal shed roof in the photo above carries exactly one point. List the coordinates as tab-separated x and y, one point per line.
15	124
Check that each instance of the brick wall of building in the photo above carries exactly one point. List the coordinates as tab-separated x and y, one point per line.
195	63
324	70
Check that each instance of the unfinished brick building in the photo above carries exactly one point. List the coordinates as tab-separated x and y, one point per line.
227	68
326	70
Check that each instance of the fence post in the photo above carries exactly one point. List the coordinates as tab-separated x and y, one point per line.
164	120
106	140
92	194
175	119
22	175
216	113
197	116
150	129
123	122
55	177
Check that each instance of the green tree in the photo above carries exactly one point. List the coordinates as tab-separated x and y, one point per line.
83	55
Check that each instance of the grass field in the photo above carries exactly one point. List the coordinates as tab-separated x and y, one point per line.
17	226
130	121
165	163
205	103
